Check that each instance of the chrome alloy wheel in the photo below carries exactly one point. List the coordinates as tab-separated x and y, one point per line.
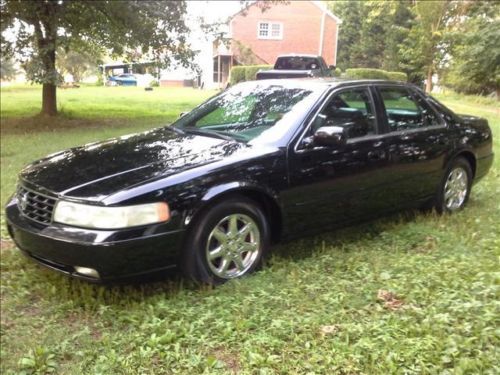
455	188
233	246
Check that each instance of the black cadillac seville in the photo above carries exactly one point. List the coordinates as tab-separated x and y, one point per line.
258	163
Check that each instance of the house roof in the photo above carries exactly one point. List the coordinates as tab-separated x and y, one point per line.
320	5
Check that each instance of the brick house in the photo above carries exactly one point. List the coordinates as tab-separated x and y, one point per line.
259	37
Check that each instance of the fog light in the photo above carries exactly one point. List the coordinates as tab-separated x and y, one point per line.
90	272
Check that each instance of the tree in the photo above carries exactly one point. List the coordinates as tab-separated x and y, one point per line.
157	28
426	46
374	41
77	62
475	64
7	69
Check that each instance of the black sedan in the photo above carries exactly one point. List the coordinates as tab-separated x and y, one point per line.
261	162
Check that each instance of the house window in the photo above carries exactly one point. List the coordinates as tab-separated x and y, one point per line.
270	30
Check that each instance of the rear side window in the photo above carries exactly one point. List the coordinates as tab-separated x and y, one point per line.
404	111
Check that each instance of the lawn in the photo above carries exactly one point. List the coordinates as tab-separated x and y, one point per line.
409	294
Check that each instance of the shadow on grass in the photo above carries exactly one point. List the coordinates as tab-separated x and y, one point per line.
66	121
171	284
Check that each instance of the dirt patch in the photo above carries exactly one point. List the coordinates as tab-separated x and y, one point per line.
6	244
329	330
230	360
391	301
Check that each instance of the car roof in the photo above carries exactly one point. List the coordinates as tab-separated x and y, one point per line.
298	55
329	82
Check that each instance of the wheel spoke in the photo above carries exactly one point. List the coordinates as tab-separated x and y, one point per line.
239	262
448	194
217	252
224	264
233	225
220	235
249	246
246	230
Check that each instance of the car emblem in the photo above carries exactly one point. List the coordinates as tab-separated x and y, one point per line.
23	201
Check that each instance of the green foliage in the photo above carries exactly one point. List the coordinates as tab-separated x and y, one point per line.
251	71
457	39
78	62
373	43
397	76
8	70
242	73
365	73
314	308
475	67
237	74
38	362
155	30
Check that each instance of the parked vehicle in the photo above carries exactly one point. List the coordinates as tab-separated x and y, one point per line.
297	66
261	162
128	79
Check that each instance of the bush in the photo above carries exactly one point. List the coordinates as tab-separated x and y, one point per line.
397	76
246	72
237	74
251	71
366	73
337	73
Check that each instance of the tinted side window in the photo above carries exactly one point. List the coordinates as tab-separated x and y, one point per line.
351	110
405	112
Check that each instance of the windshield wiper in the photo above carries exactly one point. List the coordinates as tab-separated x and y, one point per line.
209	133
175	129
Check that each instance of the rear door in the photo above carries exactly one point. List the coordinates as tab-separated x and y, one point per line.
416	141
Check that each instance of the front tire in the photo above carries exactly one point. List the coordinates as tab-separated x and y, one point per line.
455	187
227	241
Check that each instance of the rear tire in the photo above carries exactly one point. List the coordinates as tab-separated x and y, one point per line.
228	241
455	187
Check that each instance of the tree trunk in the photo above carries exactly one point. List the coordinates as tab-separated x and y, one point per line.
46	42
428	83
49	103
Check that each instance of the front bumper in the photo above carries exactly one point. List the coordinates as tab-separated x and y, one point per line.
113	254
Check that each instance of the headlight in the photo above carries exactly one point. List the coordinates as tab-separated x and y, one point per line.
87	216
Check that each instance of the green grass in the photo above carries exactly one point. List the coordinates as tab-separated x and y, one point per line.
408	294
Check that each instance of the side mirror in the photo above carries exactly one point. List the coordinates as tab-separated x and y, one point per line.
182	114
330	136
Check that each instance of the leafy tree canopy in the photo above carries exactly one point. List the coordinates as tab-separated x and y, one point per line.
460	40
154	28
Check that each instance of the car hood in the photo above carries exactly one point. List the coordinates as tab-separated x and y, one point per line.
97	170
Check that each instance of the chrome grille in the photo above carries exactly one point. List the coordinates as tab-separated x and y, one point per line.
35	206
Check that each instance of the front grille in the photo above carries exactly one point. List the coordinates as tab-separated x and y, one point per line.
35	206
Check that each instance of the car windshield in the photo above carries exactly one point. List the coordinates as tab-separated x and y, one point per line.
297	63
242	112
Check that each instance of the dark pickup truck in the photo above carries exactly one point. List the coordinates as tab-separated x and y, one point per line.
297	66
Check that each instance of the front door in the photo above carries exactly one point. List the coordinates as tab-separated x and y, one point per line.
337	184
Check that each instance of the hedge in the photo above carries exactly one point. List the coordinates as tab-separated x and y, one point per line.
237	74
251	71
366	73
242	73
397	76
